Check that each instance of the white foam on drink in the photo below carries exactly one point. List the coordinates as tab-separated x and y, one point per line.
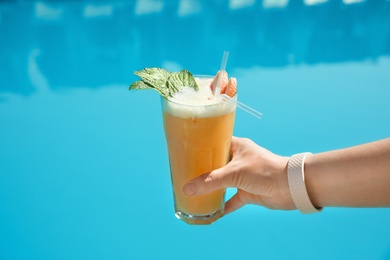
201	103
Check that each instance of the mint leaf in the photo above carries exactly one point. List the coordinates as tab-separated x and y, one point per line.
181	79
139	85
163	81
154	76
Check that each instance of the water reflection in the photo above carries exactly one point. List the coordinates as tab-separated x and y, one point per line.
92	44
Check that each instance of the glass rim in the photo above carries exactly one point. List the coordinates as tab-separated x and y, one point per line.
207	105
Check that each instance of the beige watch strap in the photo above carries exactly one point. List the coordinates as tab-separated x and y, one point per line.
296	182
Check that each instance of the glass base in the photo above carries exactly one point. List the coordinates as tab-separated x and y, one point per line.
199	219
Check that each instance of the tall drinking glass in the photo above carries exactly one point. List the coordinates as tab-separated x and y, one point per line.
198	139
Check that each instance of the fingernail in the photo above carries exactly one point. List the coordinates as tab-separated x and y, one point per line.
189	189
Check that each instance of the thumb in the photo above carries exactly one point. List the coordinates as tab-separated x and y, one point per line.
208	182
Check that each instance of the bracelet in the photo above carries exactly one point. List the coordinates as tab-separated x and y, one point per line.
296	183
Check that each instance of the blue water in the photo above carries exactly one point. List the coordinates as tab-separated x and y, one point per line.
84	169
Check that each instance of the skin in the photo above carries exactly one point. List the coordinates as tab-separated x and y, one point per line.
357	176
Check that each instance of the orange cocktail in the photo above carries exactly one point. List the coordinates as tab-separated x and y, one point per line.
198	138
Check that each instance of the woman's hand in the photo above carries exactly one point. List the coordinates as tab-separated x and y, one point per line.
259	175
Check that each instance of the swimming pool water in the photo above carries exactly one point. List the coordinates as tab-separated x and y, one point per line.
84	169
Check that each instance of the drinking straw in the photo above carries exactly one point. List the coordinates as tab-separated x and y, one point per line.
217	88
244	107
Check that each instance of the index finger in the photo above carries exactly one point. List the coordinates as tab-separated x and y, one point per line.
208	182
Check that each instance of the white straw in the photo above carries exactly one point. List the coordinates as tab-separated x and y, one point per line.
217	90
244	107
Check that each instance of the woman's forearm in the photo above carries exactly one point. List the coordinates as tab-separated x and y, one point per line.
358	176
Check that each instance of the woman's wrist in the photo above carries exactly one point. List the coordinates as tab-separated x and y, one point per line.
286	201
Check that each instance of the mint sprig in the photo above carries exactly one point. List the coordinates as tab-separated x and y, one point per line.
163	81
